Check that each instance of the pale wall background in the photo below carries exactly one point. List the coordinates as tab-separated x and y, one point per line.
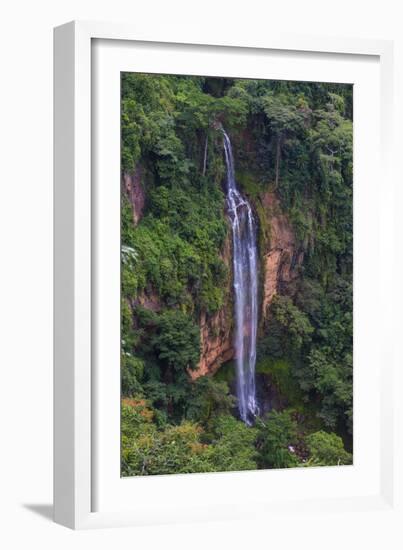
26	266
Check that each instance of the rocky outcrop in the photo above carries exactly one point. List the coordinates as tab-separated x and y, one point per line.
148	300
133	188
280	261
282	257
216	342
216	330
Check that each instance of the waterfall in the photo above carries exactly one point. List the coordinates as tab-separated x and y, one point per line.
245	290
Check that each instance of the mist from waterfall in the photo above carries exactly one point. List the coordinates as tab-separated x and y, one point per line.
245	290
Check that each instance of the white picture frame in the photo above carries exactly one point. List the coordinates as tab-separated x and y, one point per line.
88	491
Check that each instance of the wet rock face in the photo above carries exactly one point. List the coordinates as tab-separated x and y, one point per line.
216	341
282	257
280	261
134	191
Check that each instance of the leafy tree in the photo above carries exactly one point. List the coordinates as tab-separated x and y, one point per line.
233	446
277	433
177	341
208	399
290	138
293	320
147	450
145	100
328	368
132	369
333	382
327	449
286	120
171	450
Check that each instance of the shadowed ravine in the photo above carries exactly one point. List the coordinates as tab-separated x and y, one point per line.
245	290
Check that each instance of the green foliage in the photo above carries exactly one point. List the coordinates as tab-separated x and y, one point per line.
147	450
316	346
147	102
209	398
233	447
332	148
285	117
176	246
177	341
328	367
327	449
132	369
333	381
287	336
280	373
292	320
277	433
170	347
226	373
293	139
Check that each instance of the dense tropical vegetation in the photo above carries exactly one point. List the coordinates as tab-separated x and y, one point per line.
294	140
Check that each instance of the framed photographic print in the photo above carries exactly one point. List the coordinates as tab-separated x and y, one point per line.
236	274
221	335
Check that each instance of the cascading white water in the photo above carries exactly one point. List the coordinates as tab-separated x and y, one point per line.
245	288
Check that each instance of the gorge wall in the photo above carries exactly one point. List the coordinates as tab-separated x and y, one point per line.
281	257
216	330
133	188
279	263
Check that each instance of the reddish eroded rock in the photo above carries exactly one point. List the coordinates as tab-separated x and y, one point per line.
149	300
282	257
216	342
134	191
280	261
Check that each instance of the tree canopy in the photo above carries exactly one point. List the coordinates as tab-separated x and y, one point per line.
290	139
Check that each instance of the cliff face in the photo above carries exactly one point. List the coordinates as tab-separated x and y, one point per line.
279	266
134	191
281	256
216	330
216	342
280	260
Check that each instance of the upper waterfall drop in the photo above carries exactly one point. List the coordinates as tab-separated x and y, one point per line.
245	288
